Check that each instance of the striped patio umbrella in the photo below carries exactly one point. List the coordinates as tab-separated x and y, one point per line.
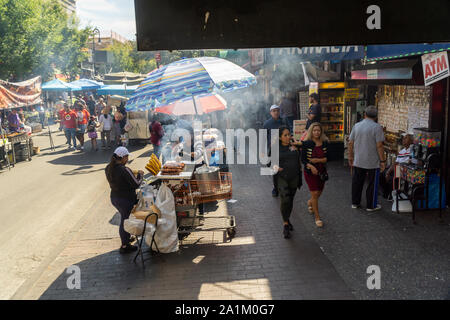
202	105
187	78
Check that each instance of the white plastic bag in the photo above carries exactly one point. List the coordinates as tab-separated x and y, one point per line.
136	226
166	236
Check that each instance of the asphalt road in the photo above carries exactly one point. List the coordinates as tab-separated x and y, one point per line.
41	202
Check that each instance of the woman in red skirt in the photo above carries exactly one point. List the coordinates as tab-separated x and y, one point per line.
314	158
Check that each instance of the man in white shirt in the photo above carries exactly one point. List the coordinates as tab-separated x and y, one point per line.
366	156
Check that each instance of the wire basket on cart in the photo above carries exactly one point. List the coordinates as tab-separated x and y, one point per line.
191	193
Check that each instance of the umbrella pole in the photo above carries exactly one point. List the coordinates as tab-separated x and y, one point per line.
205	156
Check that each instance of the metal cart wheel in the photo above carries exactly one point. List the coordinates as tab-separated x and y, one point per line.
231	232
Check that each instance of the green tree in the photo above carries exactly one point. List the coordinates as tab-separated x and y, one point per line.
37	36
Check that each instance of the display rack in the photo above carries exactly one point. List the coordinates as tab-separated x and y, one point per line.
332	102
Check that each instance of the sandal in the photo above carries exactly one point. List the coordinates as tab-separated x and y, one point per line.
310	208
319	223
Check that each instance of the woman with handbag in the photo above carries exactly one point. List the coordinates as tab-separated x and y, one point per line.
288	177
314	158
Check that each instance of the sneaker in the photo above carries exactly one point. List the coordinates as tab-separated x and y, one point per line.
81	148
129	248
274	193
70	147
356	206
374	209
286	232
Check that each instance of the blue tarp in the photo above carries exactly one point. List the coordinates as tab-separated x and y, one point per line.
396	51
86	84
58	85
119	89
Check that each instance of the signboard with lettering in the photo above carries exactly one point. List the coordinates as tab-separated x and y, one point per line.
435	67
332	85
351	93
318	53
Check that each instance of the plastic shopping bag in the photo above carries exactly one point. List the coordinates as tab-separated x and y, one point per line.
136	226
166	236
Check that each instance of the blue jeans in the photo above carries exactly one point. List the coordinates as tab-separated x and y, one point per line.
71	135
124	206
157	150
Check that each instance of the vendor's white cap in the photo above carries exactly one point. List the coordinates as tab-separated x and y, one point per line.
273	107
121	152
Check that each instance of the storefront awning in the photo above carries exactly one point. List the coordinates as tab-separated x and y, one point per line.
396	51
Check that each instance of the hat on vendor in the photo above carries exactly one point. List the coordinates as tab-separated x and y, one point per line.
121	152
274	106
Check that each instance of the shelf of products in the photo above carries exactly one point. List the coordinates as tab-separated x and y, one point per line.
332	102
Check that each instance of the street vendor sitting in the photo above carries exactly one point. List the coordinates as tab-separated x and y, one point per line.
404	156
14	122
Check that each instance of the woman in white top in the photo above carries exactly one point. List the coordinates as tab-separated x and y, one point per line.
106	122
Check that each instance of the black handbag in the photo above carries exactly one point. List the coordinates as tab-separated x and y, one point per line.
323	176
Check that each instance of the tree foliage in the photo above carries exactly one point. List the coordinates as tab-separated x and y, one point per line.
38	36
127	58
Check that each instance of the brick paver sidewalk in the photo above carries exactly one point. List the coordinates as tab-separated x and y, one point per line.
258	264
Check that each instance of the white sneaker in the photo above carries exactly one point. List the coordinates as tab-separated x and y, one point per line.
81	148
356	206
374	209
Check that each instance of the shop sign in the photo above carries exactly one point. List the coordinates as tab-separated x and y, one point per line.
435	67
332	85
257	57
351	93
319	53
372	74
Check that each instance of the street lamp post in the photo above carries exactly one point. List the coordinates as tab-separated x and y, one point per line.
93	46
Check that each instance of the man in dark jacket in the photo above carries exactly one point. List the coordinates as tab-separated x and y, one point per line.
315	111
275	122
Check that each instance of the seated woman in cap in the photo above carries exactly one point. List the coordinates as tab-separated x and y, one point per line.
123	185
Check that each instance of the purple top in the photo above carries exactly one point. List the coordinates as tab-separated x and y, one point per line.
13	119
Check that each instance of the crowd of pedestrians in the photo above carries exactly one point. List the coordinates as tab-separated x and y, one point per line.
366	159
86	115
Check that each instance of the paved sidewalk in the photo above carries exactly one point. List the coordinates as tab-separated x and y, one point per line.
327	263
258	264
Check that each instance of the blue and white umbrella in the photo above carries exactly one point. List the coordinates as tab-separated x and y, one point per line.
184	79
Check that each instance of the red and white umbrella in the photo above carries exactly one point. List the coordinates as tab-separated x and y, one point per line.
202	104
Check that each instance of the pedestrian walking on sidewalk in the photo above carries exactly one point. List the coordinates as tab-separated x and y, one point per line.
314	158
123	185
70	126
92	132
106	124
366	156
83	118
156	135
288	177
275	122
